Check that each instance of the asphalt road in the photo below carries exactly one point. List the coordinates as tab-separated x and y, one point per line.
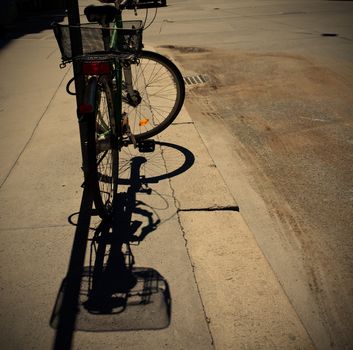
276	115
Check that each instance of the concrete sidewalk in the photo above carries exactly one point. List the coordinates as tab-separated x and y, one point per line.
224	293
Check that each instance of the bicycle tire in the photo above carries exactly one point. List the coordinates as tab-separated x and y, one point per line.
162	90
104	159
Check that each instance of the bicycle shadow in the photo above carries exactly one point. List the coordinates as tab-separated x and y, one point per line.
108	293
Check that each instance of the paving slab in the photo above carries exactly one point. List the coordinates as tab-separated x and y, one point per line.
26	94
244	303
32	264
46	179
202	186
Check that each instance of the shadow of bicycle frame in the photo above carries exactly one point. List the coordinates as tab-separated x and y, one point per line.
110	293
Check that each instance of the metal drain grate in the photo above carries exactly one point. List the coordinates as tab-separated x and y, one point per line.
196	79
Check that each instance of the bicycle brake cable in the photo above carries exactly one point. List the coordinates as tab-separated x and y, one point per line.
152	20
68	87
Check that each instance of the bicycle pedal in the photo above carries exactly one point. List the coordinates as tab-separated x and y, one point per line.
146	146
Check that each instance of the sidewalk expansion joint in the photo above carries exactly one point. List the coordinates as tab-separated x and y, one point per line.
217	208
183	123
3	229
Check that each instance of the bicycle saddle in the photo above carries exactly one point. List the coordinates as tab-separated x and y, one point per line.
101	14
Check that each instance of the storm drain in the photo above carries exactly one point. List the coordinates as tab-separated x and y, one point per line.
196	79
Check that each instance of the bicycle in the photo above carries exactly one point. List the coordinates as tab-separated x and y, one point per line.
130	94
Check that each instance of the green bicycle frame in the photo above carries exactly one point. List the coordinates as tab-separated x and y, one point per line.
116	44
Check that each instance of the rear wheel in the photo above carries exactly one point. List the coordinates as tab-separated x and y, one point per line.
159	93
105	167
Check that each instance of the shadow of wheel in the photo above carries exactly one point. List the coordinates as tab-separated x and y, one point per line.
168	160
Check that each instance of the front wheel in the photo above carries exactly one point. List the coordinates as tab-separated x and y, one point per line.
159	93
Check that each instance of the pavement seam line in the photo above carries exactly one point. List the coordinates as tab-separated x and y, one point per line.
182	123
207	319
34	130
3	229
214	208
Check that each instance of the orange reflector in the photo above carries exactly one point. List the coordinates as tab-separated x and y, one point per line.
96	68
143	122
